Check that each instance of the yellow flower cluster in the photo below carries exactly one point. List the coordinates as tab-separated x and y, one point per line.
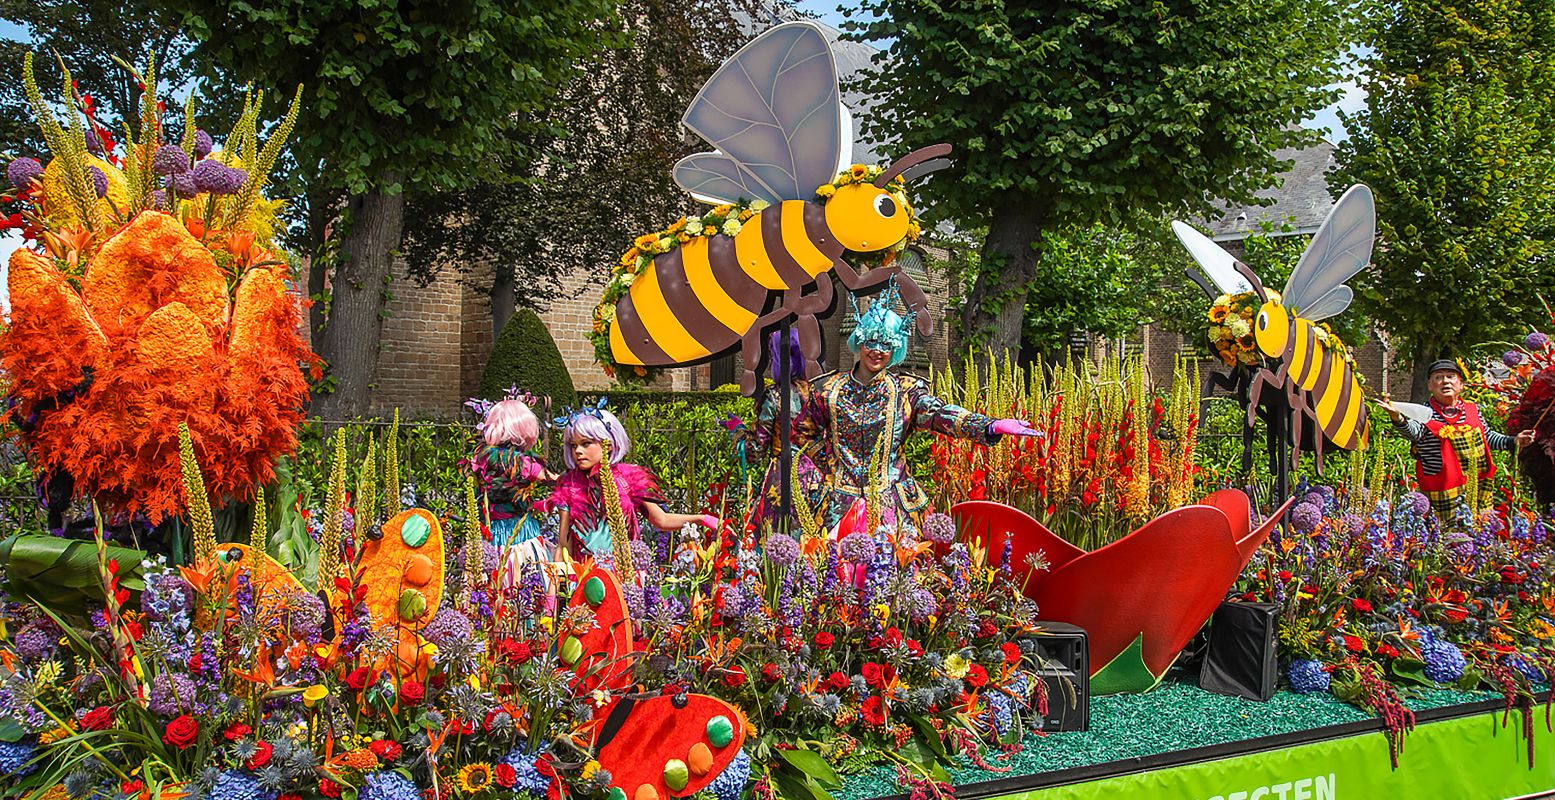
1231	328
727	219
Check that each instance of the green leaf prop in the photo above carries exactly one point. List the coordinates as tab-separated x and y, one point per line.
813	765
62	573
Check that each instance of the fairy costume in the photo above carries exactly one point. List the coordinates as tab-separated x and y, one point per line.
867	425
511	477
582	495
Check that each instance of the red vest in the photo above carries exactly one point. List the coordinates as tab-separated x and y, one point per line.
1459	427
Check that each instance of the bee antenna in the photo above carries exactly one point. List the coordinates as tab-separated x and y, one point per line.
911	160
1252	277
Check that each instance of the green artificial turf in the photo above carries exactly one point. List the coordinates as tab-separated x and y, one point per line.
1175	716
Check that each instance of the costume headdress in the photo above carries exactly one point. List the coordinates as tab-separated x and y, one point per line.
570	414
881	327
481	406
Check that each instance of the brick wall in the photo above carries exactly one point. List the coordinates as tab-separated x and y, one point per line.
420	353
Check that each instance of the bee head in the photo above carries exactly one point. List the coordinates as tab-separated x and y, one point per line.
1272	329
865	218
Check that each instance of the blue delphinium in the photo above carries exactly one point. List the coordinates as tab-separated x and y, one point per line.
1308	676
386	785
730	783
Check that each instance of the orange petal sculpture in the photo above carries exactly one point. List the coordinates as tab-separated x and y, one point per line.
1141	598
103	373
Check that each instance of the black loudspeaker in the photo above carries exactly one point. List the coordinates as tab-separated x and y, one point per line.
1243	655
1066	674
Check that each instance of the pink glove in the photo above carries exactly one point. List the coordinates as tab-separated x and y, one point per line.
1012	427
711	522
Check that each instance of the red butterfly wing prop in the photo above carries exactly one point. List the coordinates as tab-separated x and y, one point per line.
653	743
995	522
601	654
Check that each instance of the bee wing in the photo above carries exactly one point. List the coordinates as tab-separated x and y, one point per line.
1219	265
774	110
1337	300
713	178
1340	249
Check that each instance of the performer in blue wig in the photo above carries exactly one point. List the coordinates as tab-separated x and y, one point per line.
868	412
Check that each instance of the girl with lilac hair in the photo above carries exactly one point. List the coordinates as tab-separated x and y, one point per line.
594	445
509	470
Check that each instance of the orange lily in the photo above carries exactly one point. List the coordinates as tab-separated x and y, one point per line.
199	576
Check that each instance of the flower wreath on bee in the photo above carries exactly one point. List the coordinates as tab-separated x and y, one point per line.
727	219
1231	319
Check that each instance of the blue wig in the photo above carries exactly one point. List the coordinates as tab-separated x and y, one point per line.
881	328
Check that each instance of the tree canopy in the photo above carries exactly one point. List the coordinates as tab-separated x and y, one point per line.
1456	142
1073	113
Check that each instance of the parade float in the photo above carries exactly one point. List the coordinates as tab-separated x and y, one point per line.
1024	623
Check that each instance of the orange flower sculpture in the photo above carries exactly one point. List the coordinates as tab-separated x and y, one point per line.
153	337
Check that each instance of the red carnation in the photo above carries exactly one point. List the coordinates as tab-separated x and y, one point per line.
986	629
261	755
977	676
837	681
386	749
1360	605
770	673
824	640
98	719
873	710
412	693
359	678
181	732
505	775
329	788
1011	652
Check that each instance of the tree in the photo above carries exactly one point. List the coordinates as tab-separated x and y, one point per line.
605	175
401	98
1457	141
1071	113
525	356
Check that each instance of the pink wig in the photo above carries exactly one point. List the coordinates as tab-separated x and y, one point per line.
511	422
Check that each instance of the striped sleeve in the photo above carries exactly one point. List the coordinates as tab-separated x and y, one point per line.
1500	441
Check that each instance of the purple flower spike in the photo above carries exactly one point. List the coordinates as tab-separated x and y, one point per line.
1536	341
99	181
94	143
170	159
202	144
23	170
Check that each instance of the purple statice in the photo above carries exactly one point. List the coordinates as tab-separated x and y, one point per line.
172	693
22	171
1304	518
1512	358
387	785
1536	341
939	528
99	181
448	626
36	642
528	779
858	548
781	549
235	785
203	144
170	159
1308	676
1444	662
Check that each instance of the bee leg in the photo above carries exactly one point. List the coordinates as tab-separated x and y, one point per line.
810	344
1298	417
750	355
916	300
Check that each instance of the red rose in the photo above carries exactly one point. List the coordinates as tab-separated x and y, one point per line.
1011	652
181	732
236	731
893	636
359	678
386	749
1360	605
1285	576
837	681
288	796
986	629
873	674
98	719
412	692
514	651
873	710
261	755
194	662
505	775
824	640
1509	575
913	648
544	766
733	676
329	788
770	673
977	676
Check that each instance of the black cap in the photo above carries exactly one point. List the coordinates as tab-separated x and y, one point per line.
1446	364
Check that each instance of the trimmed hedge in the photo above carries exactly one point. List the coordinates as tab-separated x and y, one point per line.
525	356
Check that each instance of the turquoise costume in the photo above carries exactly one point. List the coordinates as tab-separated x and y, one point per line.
509	476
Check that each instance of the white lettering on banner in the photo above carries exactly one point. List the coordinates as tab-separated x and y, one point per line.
1320	787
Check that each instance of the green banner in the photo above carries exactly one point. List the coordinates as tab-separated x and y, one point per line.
1468	758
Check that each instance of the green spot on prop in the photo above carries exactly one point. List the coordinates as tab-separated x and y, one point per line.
615	793
720	731
415	531
676	775
413	605
572	650
594	591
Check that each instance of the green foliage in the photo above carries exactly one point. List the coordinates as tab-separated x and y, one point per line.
1088	111
683	443
525	356
1458	142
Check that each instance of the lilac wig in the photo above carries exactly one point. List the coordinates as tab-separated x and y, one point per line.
511	422
775	355
595	426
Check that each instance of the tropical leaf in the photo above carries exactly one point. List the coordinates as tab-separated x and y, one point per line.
62	573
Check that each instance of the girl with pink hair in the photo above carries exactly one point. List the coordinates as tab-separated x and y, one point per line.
509	470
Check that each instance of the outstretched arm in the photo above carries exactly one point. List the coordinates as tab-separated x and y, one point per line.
665	521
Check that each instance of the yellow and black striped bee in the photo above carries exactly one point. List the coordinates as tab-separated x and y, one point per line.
1319	384
775	114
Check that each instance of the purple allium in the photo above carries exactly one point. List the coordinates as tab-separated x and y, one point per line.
386	785
35	643
781	549
216	178
1304	518
172	693
730	784
1536	341
305	615
939	528
920	605
450	625
99	181
1444	662
23	170
858	548
1354	523
170	159
1307	676
94	142
235	785
157	198
1315	498
1414	503
1512	358
183	184
203	145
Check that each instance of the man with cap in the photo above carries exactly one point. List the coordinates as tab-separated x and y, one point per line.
1452	442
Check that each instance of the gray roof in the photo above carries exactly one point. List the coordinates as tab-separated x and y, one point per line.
1301	199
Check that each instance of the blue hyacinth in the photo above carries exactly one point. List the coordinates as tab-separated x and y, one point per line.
386	785
730	783
1307	676
528	780
1444	662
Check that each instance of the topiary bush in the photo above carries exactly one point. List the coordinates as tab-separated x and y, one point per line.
525	356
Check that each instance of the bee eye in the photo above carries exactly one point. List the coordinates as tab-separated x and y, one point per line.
1263	322
885	206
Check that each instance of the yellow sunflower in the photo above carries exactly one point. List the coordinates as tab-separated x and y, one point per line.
475	777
